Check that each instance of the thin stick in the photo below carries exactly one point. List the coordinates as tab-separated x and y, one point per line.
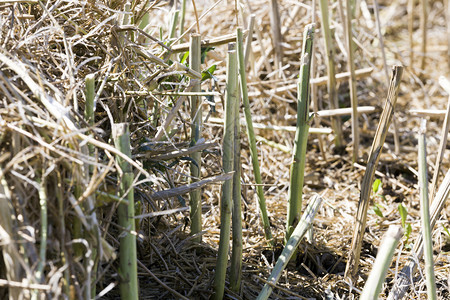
196	125
252	141
297	169
442	144
374	157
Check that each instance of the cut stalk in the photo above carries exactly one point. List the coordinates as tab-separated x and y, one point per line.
174	23
374	157
90	118
127	248
314	100
291	245
386	71
447	27
423	28
248	44
374	283
8	218
44	222
331	78
182	17
425	214
277	38
196	125
443	142
236	256
352	81
301	136
252	140
410	10
228	163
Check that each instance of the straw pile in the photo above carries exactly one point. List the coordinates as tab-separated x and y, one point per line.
59	179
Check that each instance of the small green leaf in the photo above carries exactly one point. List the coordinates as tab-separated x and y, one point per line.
376	185
205	51
184	57
208	73
377	210
446	231
408	231
403	214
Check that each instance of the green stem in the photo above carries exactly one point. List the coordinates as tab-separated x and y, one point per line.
196	119
127	248
252	139
301	136
425	214
228	164
236	256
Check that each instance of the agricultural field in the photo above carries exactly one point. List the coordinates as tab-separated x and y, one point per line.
224	149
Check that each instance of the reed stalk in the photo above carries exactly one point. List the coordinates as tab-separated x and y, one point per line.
314	100
127	238
248	43
252	139
292	244
44	230
12	268
447	27
182	17
231	99
277	38
423	27
236	216
90	119
352	81
173	26
196	125
297	169
425	214
410	10
366	185
331	78
386	70
443	141
374	283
